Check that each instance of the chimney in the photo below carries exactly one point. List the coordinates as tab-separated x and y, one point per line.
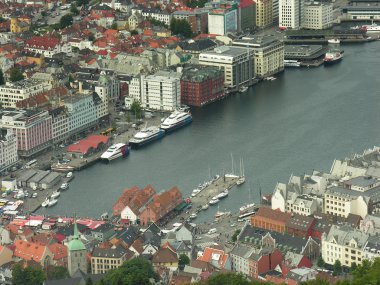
80	86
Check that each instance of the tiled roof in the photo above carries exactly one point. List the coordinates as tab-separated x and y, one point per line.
28	250
216	255
275	215
164	255
43	42
59	251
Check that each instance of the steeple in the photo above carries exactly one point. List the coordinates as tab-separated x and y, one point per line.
76	232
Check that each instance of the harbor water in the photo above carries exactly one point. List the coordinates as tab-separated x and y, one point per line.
299	122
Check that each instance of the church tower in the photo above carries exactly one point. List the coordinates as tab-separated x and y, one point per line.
76	253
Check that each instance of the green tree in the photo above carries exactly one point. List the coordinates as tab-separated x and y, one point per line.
89	281
91	37
57	272
114	26
134	32
235	235
228	279
337	268
183	260
320	262
316	282
28	275
16	75
66	20
2	80
353	267
73	9
196	3
43	14
82	2
181	27
136	109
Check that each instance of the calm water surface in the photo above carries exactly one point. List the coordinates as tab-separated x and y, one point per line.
297	123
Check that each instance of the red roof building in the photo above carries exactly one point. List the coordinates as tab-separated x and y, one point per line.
32	251
59	252
273	220
88	145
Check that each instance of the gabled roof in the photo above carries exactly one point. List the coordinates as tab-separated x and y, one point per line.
276	215
29	250
214	256
164	255
59	251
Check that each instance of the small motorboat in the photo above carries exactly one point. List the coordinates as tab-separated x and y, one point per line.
205	207
193	216
46	202
64	186
222	195
214	201
52	202
55	194
69	175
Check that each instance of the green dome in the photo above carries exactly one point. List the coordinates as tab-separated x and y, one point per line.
76	244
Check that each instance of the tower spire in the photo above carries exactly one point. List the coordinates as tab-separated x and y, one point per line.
76	232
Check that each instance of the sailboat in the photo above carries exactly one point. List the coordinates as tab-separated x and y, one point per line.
232	175
247	208
241	179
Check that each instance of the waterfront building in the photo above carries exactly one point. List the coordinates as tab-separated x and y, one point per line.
273	220
359	196
160	205
106	259
264	13
33	129
11	93
222	21
201	85
8	148
361	10
348	245
246	15
268	54
77	253
196	47
304	53
291	14
318	15
47	45
158	92
198	19
237	63
81	111
60	124
130	203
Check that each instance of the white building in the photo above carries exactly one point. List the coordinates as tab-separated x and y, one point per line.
268	54
60	124
48	46
81	43
108	88
237	63
291	14
81	112
239	258
318	15
158	92
8	149
158	15
222	21
11	93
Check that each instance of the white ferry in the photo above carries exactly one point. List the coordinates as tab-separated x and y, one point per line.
146	135
176	120
291	63
115	151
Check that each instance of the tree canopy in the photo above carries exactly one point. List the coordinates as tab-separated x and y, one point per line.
181	27
2	80
183	260
28	275
16	75
196	3
74	10
136	109
66	20
57	272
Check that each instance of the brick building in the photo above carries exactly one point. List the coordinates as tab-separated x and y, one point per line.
202	85
273	220
301	226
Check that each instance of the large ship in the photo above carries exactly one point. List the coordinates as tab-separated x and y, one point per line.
332	57
146	135
115	151
373	28
176	120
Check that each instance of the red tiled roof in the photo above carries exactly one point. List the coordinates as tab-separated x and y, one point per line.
208	254
43	42
277	215
91	142
29	250
164	255
59	251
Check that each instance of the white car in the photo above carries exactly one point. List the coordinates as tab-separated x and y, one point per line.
34	195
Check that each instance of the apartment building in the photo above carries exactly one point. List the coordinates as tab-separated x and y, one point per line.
264	13
237	63
222	21
8	148
291	14
158	15
106	259
197	19
349	246
318	15
11	93
46	45
33	129
268	54
60	124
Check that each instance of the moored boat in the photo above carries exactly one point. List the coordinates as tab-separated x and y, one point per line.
214	201
222	195
69	174
247	208
332	57
52	202
46	202
205	207
193	216
64	186
243	89
146	135
115	151
176	120
55	194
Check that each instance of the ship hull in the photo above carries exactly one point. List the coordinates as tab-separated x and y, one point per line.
157	136
179	125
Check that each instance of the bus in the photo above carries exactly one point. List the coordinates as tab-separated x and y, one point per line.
107	131
30	163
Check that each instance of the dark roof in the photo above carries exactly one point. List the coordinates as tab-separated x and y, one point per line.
102	7
69	230
197	45
154	229
128	235
114	252
66	281
149	237
300	222
103	228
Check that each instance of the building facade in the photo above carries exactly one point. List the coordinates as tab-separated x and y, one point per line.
106	259
8	148
11	93
48	46
268	54
77	253
246	15
60	124
197	19
237	63
318	15
291	14
33	129
222	21
201	86
264	13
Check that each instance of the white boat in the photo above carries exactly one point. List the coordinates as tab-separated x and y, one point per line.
146	135
214	201
333	41
246	215
52	202
222	195
55	194
193	216
205	207
291	63
69	175
64	186
270	78
46	202
373	28
240	181
332	56
241	178
176	120
115	151
242	89
247	208
195	192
